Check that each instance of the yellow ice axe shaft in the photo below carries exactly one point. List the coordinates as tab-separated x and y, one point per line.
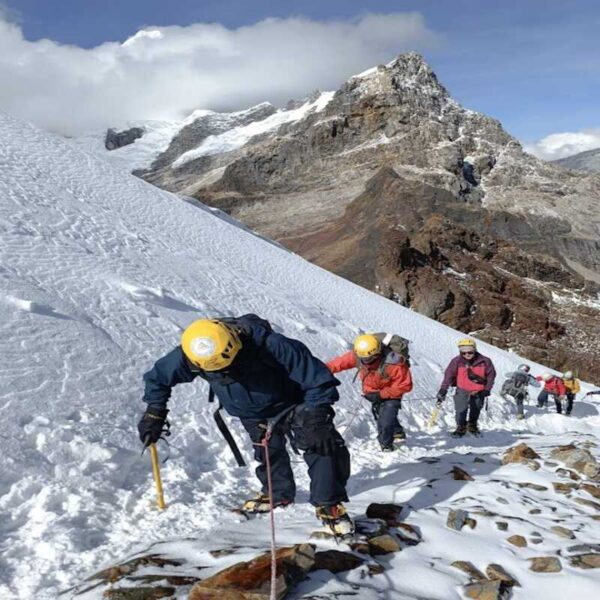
434	417
160	499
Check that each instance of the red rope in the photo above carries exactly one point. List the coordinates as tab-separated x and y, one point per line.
265	445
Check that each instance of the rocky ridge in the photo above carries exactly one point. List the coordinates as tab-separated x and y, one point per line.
350	184
583	161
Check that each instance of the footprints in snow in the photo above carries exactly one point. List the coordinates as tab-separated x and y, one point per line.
35	308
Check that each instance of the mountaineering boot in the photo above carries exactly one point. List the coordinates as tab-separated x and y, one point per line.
389	448
520	416
336	520
400	437
459	431
260	504
473	429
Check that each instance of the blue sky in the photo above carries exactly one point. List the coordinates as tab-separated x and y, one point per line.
533	64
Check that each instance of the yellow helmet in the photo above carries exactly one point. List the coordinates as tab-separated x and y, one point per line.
367	346
210	344
467	343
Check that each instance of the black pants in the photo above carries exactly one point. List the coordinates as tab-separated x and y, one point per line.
542	400
467	406
328	474
570	400
386	417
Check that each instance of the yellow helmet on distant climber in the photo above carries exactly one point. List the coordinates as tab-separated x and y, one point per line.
210	344
367	346
467	343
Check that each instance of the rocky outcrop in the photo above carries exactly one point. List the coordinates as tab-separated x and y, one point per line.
118	139
583	161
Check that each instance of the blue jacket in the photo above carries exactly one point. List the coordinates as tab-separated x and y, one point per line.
269	373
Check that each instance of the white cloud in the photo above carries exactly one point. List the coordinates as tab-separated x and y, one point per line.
166	72
561	145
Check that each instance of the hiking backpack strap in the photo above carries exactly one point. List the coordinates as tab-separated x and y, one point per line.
222	426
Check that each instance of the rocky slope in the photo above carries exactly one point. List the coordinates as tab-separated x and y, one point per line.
344	177
584	161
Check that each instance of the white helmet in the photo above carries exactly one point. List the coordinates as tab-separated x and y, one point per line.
525	368
546	376
568	375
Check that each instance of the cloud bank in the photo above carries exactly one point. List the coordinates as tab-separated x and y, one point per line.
561	145
166	72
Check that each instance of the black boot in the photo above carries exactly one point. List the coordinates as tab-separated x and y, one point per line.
473	429
459	431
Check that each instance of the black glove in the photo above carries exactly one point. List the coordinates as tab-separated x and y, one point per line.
484	394
315	431
152	425
373	397
441	396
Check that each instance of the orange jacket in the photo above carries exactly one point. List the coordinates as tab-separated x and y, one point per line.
395	382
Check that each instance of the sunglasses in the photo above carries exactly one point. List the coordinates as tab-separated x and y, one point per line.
468	353
369	359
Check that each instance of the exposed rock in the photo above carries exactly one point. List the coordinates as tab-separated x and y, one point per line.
139	593
568	473
470	569
486	590
360	547
375	568
520	453
498	572
577	458
251	580
457	519
478	459
460	474
336	561
545	564
536	540
502	525
584	548
535	511
113	574
384	544
118	139
563	532
563	488
517	540
586	561
371	527
472	523
532	486
408	534
594	490
390	513
534	465
589	503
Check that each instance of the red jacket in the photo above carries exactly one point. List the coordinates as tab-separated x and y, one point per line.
554	385
395	382
457	374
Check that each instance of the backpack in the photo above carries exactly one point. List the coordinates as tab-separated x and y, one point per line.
515	383
394	349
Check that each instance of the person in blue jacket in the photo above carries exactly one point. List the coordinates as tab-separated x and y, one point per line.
263	378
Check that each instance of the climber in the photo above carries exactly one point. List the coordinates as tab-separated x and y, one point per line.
384	370
516	385
553	386
573	387
473	375
263	378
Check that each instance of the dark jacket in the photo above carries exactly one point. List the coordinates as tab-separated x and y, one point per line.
476	375
269	373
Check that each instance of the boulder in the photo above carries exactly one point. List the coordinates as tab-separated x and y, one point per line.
563	488
586	561
517	540
336	561
485	590
408	534
577	458
594	490
563	532
521	453
499	573
545	564
252	580
588	503
384	544
470	569
502	525
390	513
532	486
568	473
460	474
118	139
457	519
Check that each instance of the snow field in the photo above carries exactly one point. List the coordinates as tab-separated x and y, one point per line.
99	273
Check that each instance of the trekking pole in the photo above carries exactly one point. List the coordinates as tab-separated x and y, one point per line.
160	499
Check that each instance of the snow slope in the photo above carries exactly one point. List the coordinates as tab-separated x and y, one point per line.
99	274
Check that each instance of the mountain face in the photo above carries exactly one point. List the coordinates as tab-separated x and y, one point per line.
341	176
584	161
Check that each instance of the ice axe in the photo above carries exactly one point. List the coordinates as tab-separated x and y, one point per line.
160	499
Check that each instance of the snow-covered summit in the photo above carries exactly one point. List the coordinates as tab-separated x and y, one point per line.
99	273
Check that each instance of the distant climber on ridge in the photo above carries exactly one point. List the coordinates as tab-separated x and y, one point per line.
473	376
516	386
385	376
573	387
265	379
553	386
